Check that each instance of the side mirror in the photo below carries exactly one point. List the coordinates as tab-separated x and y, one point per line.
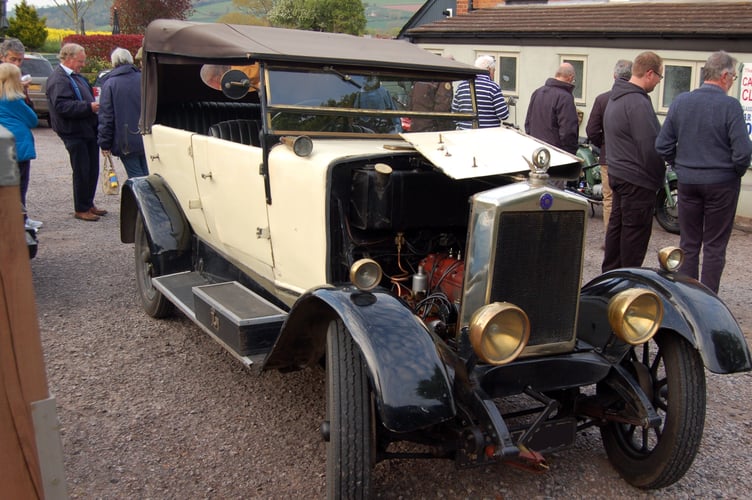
235	84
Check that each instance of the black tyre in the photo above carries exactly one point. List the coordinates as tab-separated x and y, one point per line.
155	304
666	210
671	373
351	445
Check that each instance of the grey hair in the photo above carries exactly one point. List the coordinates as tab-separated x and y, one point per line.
717	63
623	69
69	50
485	62
120	57
11	45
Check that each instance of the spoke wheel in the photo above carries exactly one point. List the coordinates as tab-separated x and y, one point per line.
155	304
667	210
672	375
349	412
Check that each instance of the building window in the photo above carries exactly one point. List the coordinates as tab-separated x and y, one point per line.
506	71
580	76
678	77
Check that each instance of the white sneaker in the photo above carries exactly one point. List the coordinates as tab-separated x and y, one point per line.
34	224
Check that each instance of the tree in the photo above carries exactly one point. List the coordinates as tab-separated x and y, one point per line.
135	15
74	10
242	18
334	16
255	8
27	26
252	12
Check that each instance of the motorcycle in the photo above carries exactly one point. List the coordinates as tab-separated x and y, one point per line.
590	185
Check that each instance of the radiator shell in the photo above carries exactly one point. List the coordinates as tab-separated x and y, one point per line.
526	246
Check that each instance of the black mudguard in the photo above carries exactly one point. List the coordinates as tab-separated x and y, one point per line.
409	381
690	309
168	230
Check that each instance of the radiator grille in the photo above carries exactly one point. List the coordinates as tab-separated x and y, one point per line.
537	266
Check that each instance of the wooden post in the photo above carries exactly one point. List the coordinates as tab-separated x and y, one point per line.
22	376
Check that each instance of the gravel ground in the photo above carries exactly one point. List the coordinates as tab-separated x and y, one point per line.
155	409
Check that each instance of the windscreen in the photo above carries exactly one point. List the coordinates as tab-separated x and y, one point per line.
332	100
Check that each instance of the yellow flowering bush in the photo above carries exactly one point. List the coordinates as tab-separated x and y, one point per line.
57	34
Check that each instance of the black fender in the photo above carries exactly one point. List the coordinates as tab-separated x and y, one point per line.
409	381
690	309
168	230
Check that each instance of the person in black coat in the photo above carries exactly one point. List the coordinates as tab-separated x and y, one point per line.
73	116
119	113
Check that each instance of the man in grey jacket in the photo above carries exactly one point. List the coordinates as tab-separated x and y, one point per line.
706	139
635	170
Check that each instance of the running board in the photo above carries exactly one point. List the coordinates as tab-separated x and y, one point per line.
241	321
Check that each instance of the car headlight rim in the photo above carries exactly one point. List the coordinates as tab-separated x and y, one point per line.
499	332
635	315
366	274
671	258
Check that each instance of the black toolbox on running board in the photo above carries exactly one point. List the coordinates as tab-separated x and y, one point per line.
246	322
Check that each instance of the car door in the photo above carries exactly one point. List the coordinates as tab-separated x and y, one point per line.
234	201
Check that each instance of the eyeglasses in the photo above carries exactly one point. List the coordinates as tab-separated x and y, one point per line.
660	76
733	78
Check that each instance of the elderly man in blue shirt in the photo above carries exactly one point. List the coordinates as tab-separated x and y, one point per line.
492	108
705	137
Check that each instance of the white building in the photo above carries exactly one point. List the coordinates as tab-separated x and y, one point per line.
530	41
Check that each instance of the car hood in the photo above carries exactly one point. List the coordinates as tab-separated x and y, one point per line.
463	154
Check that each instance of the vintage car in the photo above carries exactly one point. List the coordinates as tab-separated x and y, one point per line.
435	275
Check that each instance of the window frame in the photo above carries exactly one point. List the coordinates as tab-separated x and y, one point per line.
695	79
580	79
498	55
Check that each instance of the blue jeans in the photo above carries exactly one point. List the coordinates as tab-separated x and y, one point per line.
135	164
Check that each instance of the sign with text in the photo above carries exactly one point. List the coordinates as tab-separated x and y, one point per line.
745	95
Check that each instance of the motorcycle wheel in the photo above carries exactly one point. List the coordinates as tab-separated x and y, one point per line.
666	214
671	374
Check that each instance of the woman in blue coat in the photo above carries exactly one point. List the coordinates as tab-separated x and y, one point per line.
19	119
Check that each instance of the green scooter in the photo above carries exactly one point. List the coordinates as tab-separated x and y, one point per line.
590	186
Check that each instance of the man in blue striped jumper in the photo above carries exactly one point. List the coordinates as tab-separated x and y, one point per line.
492	108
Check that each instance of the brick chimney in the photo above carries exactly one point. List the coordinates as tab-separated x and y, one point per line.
463	6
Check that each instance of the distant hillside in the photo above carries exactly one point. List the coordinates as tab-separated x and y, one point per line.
382	16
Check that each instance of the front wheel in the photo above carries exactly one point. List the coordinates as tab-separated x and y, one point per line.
155	304
349	412
670	372
667	209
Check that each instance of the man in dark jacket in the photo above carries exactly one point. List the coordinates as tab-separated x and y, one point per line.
119	112
635	170
551	115
594	131
73	116
706	139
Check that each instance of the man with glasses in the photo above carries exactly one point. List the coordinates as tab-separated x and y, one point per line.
635	170
705	137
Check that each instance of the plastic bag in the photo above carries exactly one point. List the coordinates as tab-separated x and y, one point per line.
110	184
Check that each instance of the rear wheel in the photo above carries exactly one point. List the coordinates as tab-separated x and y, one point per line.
155	304
350	423
672	375
667	209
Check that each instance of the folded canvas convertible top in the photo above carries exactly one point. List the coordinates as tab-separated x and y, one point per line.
226	41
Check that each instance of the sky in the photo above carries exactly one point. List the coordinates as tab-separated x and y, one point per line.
34	3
